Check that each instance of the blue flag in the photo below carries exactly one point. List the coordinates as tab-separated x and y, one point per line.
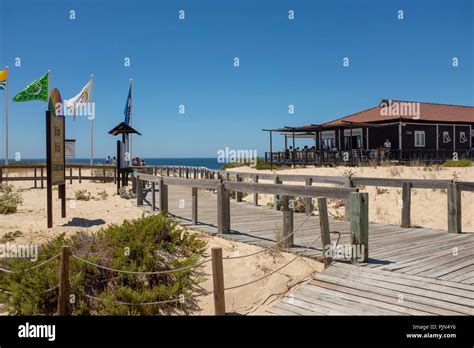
128	107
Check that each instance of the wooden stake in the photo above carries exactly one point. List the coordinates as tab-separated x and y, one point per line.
63	281
406	208
218	281
194	206
324	226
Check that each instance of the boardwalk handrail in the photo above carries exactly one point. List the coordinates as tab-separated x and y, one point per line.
283	190
323	179
452	187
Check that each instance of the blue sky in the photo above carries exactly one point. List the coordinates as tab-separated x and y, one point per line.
190	62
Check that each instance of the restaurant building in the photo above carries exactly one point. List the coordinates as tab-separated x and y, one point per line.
393	130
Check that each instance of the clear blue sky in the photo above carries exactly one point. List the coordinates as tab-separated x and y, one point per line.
190	62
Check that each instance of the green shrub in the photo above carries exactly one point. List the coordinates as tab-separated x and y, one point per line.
150	243
126	193
457	163
10	236
103	195
9	200
260	165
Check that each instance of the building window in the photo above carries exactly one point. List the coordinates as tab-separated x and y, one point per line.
419	138
328	139
446	137
462	137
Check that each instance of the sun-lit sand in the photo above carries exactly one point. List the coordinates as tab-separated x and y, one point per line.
428	209
30	219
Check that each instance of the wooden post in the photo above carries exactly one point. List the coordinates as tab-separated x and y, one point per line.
454	209
80	175
324	226
115	174
218	281
194	173
255	194
406	208
283	237
36	185
194	206
1	175
275	197
167	171
139	187
134	183
163	193
70	175
238	194
359	212
62	197
347	208
153	196
223	210
63	281
179	172
42	178
308	201
103	174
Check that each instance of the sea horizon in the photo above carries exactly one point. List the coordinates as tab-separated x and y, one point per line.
209	162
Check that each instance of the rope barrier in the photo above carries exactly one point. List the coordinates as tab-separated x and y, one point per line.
273	246
50	289
42	263
143	303
273	272
136	272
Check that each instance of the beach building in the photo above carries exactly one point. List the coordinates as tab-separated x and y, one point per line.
393	130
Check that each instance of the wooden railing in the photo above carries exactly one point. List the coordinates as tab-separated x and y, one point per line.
335	157
453	188
358	201
72	172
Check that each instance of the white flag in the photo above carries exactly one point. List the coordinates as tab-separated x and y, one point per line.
72	105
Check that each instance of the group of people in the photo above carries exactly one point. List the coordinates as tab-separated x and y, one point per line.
109	160
136	162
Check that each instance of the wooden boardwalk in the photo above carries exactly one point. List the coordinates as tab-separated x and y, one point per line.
410	270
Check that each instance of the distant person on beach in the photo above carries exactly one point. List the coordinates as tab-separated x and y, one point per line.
143	162
114	161
107	160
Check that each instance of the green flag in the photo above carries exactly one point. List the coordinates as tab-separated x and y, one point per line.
37	90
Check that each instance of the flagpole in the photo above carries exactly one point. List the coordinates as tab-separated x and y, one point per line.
6	118
49	84
131	123
91	126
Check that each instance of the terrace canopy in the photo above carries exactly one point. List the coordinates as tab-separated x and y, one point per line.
314	131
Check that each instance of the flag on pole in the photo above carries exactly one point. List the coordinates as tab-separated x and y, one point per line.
37	90
128	107
3	79
81	98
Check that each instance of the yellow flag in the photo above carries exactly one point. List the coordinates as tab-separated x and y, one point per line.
3	78
3	75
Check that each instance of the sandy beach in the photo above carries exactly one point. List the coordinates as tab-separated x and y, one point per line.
429	207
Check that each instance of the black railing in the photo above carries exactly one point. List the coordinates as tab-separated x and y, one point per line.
335	157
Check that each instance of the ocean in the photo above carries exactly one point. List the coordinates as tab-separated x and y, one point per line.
210	163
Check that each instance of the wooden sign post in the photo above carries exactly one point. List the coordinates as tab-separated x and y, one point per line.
55	154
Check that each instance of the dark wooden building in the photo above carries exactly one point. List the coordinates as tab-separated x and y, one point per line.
393	130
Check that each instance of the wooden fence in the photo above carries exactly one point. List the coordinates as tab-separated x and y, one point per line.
358	201
72	172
